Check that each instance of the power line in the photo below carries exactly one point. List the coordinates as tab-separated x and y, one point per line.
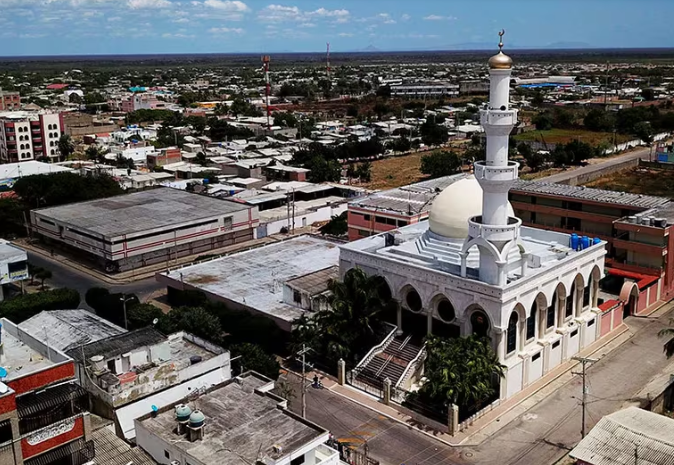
584	361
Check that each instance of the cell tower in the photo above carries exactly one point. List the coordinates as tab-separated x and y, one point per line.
265	61
327	62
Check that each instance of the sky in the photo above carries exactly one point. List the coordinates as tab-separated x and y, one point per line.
74	27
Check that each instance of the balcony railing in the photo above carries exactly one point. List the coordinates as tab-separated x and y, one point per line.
52	405
74	453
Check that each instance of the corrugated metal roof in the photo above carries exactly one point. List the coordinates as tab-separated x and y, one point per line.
119	344
588	193
629	436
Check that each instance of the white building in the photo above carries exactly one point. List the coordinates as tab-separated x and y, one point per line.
473	269
13	265
29	136
238	422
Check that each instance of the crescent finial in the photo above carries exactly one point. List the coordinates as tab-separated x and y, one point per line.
500	35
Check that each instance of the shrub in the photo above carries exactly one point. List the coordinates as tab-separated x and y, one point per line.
23	307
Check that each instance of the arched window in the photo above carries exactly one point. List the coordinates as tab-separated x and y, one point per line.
586	293
479	323
52	152
22	147
413	300
570	301
446	310
511	342
550	317
531	321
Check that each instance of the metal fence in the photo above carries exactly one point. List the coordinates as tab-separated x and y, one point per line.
350	455
365	380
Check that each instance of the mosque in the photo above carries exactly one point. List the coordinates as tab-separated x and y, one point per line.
474	269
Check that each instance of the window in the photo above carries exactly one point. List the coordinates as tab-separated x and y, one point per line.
402	223
380	219
555	344
167	454
574	333
297	460
111	367
363	233
413	300
551	315
590	323
533	217
586	295
531	322
227	223
511	342
297	297
570	301
446	310
367	217
536	357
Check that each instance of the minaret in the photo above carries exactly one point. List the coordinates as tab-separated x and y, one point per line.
494	232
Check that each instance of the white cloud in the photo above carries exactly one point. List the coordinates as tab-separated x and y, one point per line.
405	17
280	13
439	18
168	35
114	18
307	25
140	4
390	21
345	34
226	30
181	20
233	6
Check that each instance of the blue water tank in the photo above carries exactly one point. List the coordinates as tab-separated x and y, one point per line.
197	419
584	242
596	241
574	241
183	412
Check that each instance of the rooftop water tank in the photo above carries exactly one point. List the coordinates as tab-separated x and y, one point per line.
197	419
183	412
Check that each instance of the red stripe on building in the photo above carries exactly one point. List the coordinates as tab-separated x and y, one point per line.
30	450
39	379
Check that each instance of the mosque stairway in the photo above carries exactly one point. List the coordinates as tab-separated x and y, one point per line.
390	363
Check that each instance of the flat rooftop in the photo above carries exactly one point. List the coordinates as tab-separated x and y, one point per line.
255	278
20	359
70	328
588	193
242	426
11	253
28	168
407	200
158	209
316	282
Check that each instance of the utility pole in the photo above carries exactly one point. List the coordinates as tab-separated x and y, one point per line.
303	353
585	361
606	90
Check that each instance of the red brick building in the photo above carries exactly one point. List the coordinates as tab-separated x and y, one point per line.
9	100
43	412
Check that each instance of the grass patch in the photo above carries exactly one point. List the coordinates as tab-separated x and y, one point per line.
638	181
395	172
564	136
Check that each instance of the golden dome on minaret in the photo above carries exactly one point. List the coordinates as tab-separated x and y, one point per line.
500	60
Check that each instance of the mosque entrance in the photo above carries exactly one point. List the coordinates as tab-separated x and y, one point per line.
415	324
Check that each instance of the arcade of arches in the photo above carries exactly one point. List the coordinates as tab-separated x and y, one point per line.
523	326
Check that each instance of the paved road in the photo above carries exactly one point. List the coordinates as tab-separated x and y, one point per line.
546	432
387	441
566	175
65	276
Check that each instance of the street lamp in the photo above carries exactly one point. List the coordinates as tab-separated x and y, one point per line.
124	300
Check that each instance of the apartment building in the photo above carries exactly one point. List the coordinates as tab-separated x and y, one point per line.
9	100
43	417
29	136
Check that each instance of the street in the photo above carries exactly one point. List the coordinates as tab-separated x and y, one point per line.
65	276
388	441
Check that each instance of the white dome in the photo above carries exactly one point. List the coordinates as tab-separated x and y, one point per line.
454	206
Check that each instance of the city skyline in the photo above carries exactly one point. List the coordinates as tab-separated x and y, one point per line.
70	27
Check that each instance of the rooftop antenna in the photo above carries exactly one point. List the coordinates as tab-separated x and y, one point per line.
265	61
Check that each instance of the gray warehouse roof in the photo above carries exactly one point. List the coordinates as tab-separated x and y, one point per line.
119	344
618	436
588	193
139	212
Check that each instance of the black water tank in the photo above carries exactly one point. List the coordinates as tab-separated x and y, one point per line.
194	359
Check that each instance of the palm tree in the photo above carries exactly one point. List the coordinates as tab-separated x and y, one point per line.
43	275
66	145
669	345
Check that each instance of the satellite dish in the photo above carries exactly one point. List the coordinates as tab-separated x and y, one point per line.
3	372
155	321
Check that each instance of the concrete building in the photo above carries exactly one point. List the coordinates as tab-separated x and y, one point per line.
473	87
13	265
425	89
125	232
43	417
474	269
164	156
29	136
9	100
256	280
237	422
394	208
12	172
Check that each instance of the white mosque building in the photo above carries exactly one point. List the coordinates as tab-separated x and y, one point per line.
474	269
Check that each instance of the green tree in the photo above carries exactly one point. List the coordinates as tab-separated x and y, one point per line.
534	159
43	275
48	190
599	120
440	163
537	99
433	134
66	145
459	371
285	119
337	226
110	306
648	94
25	306
347	328
195	320
364	171
644	131
142	315
669	345
252	357
93	153
543	121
